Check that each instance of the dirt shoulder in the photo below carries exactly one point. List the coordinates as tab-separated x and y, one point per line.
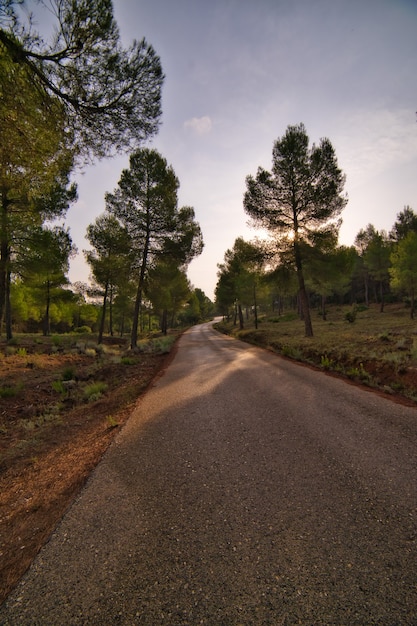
59	411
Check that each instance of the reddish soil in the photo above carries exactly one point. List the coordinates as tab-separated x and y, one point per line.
44	461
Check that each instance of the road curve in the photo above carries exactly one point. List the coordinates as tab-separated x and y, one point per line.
244	490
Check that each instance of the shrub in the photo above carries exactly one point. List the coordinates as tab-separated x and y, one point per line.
361	308
94	391
127	360
68	373
56	340
350	316
81	330
292	352
112	422
325	362
58	386
9	392
384	337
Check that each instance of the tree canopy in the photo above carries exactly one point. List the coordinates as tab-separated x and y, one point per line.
404	267
146	204
300	200
111	96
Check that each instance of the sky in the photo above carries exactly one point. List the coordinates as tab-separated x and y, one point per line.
238	72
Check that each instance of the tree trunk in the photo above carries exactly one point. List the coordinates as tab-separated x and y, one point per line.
305	308
164	322
111	312
381	292
46	323
135	322
138	302
4	252
241	326
323	308
103	315
366	283
255	306
9	333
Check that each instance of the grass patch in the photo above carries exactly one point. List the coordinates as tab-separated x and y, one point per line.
94	391
10	391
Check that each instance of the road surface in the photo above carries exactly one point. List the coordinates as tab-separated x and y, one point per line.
244	490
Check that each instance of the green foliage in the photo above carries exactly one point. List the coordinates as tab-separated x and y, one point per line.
145	203
10	391
168	290
326	363
31	191
240	275
58	387
163	345
82	330
300	200
94	391
110	261
358	373
361	308
109	96
56	340
68	373
44	267
127	360
286	317
112	422
157	345
404	267
350	316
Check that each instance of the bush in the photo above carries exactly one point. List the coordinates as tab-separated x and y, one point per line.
127	360
350	316
325	362
9	392
94	391
68	373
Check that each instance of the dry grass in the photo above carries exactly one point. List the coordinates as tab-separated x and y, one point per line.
377	349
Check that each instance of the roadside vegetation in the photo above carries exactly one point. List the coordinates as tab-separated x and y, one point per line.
355	342
62	401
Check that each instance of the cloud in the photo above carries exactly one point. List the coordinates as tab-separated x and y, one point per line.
371	142
199	125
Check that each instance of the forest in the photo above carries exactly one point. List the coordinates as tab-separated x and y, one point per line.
301	265
64	103
82	96
380	268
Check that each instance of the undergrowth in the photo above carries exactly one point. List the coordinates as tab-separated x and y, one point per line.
358	347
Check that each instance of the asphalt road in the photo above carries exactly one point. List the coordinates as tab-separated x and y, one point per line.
244	490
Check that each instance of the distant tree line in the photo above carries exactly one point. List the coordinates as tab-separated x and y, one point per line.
380	267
